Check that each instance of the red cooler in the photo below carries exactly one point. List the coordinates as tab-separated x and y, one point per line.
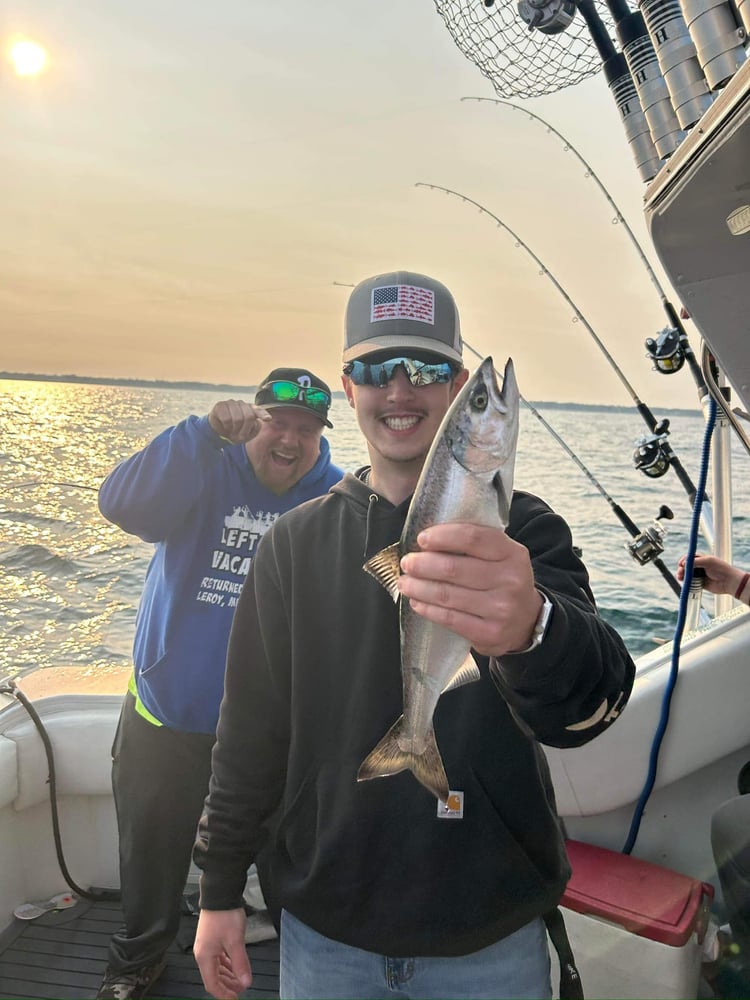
636	928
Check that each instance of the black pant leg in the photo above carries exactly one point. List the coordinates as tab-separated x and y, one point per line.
160	781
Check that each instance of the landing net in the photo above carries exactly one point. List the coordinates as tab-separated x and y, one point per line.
519	62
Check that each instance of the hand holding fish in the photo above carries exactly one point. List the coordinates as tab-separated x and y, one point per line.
236	420
475	581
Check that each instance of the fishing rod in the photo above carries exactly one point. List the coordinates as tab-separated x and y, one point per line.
50	482
671	348
568	145
647	545
653	455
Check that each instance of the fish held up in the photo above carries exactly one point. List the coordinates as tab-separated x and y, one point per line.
467	477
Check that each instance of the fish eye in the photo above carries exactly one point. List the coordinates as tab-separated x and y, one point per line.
479	398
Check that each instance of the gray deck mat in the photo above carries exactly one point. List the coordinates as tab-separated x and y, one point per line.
63	954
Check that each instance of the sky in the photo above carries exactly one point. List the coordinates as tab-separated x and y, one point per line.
188	189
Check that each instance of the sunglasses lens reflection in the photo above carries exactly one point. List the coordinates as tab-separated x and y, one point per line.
418	372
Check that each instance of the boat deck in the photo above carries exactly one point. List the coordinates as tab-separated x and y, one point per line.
63	954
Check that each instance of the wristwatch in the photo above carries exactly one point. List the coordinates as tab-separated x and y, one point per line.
542	624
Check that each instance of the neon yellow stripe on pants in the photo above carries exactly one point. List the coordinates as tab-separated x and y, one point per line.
139	706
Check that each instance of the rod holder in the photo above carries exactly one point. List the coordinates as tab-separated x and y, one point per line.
717	38
678	60
649	82
620	82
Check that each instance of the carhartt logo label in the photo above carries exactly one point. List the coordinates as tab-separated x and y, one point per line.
453	808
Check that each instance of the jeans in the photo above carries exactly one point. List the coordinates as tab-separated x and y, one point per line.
313	966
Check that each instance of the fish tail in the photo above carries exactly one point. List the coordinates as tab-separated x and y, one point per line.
388	758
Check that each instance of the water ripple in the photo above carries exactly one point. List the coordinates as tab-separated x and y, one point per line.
36	558
71	580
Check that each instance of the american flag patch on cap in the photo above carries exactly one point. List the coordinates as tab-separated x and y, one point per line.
403	302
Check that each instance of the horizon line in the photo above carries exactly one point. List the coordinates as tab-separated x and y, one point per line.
216	386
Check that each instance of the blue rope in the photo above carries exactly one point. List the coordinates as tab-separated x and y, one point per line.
679	629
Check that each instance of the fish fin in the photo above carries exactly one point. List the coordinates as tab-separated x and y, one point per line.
467	673
388	758
503	500
385	566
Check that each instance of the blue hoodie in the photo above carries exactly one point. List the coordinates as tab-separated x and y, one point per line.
198	499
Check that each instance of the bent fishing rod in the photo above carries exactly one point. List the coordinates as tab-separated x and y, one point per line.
647	545
653	455
671	347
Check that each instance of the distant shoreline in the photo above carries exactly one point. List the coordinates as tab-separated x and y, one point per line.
140	383
135	383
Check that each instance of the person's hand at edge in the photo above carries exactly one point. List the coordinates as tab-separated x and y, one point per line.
219	950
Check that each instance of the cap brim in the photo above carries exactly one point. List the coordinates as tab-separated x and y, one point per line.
296	406
402	343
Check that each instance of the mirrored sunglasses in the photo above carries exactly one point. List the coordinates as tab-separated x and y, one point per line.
381	373
317	400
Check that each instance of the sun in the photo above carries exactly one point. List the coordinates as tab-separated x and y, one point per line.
28	58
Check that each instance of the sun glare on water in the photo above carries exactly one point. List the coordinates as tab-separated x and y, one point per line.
28	58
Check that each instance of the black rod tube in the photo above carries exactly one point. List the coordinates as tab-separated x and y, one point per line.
604	44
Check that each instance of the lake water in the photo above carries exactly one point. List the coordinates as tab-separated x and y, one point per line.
70	581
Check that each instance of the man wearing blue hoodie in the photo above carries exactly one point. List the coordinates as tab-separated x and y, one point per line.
204	492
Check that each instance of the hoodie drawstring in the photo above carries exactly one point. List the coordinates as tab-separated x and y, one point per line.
373	499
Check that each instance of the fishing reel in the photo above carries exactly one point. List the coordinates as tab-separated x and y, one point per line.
667	351
548	16
649	544
652	455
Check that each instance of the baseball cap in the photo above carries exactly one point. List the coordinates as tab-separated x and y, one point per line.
295	387
403	310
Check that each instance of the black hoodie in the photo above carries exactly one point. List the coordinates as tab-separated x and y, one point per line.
313	682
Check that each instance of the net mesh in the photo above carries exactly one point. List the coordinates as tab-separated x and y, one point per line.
516	61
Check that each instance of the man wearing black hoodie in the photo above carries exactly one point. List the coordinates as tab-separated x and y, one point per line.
382	889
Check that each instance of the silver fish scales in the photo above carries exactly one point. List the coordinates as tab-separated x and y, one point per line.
467	477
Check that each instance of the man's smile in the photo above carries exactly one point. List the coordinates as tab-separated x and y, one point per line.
281	459
401	423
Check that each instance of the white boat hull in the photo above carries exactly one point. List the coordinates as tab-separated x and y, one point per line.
597	786
706	743
81	729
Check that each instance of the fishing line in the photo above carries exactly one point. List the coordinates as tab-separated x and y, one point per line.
679	628
620	219
568	145
49	482
657	445
618	511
